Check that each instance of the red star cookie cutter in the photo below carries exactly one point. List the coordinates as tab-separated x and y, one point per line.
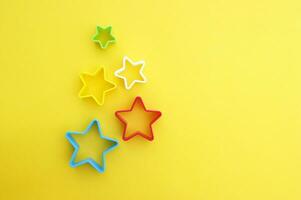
152	117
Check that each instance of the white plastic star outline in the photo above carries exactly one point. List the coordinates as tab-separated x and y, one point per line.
134	64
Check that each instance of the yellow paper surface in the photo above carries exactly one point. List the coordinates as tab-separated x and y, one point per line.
224	74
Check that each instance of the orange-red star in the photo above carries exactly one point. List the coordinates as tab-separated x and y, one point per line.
138	120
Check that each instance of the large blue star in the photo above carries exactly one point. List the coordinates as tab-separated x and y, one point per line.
98	167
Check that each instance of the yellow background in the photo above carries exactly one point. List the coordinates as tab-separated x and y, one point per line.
225	74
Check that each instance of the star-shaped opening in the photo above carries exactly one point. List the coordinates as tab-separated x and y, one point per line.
132	72
95	86
91	146
138	120
95	158
103	36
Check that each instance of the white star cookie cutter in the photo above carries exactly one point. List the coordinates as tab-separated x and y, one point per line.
128	85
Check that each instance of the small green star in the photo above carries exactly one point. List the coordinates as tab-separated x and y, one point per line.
103	36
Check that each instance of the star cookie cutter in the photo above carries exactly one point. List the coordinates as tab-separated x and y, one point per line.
133	64
104	31
93	163
85	92
138	103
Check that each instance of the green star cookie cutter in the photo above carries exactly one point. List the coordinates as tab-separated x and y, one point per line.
103	36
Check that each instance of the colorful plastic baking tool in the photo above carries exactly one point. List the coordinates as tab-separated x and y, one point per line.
129	125
126	63
93	163
95	86
103	36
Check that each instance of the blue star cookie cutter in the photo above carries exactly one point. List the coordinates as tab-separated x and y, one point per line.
93	163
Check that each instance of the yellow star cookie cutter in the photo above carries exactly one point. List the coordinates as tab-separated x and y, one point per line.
95	86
